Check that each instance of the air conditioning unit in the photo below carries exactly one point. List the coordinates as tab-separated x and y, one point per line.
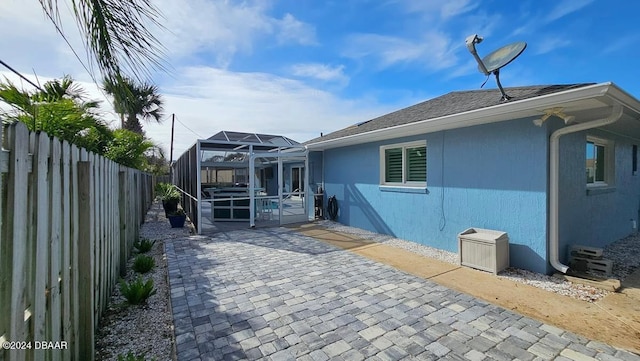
484	249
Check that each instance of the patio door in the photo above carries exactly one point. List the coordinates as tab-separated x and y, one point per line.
292	205
297	179
280	186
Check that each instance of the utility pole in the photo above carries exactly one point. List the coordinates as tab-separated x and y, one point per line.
173	121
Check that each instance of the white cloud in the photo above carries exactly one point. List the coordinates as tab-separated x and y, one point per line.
208	100
211	30
622	42
434	50
205	99
320	71
223	29
31	43
445	9
291	30
220	28
531	23
566	7
549	44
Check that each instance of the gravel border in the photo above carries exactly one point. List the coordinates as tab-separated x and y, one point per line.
145	329
624	254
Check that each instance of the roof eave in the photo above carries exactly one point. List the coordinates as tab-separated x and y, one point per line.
506	111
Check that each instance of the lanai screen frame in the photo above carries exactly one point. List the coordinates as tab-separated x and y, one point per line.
258	145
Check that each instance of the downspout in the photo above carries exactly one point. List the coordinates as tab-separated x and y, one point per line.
554	178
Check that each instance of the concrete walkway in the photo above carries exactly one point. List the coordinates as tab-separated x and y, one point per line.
276	294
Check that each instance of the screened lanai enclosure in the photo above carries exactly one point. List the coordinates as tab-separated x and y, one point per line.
235	179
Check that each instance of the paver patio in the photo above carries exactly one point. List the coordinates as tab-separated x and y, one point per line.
275	294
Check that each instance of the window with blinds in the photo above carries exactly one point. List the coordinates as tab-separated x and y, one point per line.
599	162
416	168
393	165
404	164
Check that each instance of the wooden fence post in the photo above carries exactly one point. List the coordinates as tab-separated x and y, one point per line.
55	312
40	207
122	204
16	252
66	260
86	244
75	258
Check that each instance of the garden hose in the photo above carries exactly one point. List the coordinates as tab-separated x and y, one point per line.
332	208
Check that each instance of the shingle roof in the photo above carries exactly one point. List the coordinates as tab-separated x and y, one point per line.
448	104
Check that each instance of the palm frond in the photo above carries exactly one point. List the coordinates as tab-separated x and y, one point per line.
117	34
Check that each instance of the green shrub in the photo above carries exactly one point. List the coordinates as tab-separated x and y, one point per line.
161	188
144	245
168	192
143	264
137	291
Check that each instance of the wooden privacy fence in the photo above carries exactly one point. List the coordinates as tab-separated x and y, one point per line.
68	222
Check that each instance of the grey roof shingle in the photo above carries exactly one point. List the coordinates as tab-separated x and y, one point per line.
448	104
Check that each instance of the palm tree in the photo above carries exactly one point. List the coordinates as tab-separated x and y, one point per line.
137	101
60	110
57	89
117	34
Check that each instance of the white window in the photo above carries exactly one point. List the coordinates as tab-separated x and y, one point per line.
599	162
404	164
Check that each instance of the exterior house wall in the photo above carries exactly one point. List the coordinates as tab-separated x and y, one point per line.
490	176
315	171
600	217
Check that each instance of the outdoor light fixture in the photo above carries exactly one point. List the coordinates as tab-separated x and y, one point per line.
556	112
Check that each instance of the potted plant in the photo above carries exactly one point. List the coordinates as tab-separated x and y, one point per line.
170	197
177	218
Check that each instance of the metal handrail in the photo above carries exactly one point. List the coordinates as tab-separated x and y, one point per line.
187	194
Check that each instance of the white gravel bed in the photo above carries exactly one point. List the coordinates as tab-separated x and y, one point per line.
145	329
624	254
441	255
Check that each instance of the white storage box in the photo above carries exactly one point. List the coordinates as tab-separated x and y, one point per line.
484	249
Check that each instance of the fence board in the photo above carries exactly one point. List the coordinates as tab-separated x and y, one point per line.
65	286
122	203
41	208
55	251
75	239
86	260
16	201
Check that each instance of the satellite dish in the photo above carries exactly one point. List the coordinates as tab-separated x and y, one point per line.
492	63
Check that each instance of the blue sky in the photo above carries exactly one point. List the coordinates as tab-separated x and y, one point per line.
298	68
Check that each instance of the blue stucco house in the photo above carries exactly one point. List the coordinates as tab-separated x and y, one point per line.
553	166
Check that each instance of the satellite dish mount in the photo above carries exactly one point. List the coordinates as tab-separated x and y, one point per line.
492	63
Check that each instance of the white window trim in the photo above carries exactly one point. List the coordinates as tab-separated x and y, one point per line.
404	146
609	158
